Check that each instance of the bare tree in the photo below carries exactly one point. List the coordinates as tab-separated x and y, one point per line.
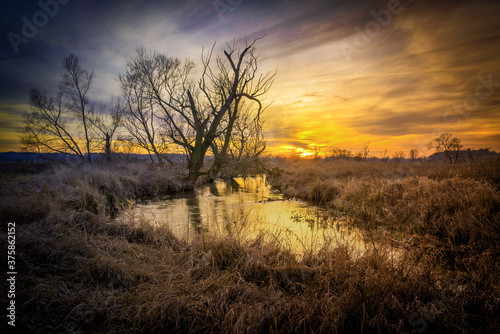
341	153
399	155
241	140
366	150
385	156
46	127
75	84
316	151
106	120
55	124
413	154
451	146
358	156
140	117
193	112
290	154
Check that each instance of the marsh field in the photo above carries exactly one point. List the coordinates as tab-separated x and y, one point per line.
429	260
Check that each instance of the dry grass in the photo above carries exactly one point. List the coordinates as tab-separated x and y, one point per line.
457	203
100	189
79	270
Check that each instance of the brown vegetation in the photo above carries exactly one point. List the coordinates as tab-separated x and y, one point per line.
81	270
454	202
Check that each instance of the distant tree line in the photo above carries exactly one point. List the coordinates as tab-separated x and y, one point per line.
446	144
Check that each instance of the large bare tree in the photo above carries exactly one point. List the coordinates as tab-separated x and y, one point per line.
193	112
241	141
60	123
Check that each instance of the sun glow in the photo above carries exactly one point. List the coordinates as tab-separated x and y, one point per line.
292	152
306	154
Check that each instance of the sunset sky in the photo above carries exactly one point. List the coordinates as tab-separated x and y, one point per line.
395	74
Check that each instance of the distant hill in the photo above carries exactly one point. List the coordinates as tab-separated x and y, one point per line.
467	155
31	157
35	157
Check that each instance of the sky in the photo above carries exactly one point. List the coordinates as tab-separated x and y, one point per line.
395	74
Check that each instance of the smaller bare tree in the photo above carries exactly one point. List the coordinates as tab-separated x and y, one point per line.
399	155
413	154
106	120
451	146
341	153
46	128
366	150
316	151
385	156
55	123
290	154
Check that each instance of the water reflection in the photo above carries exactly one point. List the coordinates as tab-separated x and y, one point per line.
246	206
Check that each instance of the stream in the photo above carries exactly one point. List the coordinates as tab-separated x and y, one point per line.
246	208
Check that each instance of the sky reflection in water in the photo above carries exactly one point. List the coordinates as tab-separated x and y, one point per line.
246	207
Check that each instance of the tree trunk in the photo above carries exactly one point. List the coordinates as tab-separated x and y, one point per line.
215	169
108	147
195	164
194	171
449	156
87	139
